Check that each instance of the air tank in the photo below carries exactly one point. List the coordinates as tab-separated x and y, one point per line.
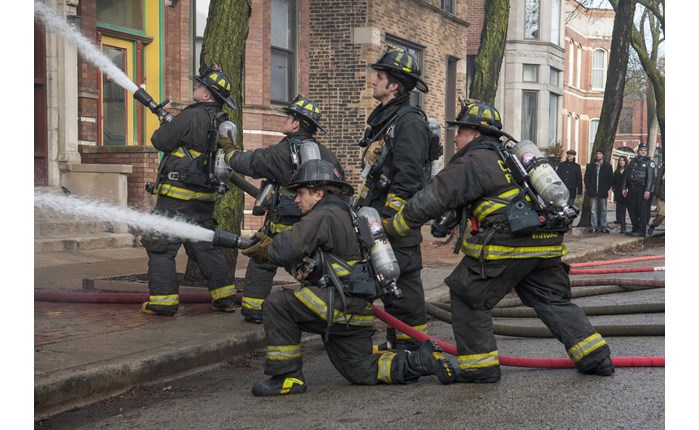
222	171
542	175
382	257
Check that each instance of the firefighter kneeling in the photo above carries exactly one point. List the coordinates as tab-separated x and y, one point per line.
321	251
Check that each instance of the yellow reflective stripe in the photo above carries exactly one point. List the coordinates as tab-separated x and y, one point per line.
320	308
289	384
283	352
487	207
276	228
394	202
500	252
183	193
364	191
479	361
421	328
252	303
168	300
586	346
223	292
384	367
399	224
180	152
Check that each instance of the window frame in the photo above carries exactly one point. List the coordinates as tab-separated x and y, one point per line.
291	53
527	5
535	67
532	134
448	6
596	70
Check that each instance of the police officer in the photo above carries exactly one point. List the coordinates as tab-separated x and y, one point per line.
184	190
395	160
638	189
277	164
326	234
496	261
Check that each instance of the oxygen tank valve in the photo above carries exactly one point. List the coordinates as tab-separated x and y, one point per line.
227	239
158	109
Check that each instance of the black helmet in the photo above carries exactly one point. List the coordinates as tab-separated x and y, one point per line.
316	173
306	109
218	83
401	66
480	115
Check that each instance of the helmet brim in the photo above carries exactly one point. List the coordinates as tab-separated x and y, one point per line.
419	83
227	100
288	111
346	188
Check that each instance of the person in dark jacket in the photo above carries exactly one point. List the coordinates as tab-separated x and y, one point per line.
598	182
325	233
496	261
617	188
660	195
184	192
570	173
277	164
396	160
638	189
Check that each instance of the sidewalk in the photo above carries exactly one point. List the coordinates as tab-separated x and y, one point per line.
86	352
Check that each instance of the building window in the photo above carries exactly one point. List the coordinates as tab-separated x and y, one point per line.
554	76
625	121
114	101
556	22
578	68
201	11
283	68
121	13
529	121
594	123
448	5
530	72
415	51
599	63
554	117
571	59
531	19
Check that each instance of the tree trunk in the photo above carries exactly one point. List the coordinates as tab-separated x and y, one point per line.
491	51
613	90
225	35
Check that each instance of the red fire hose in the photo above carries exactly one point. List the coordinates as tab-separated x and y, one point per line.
547	363
623	260
617	270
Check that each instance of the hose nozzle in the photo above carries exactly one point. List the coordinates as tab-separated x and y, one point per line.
158	109
227	239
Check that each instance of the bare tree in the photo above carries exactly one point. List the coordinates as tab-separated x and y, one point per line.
225	35
614	88
490	51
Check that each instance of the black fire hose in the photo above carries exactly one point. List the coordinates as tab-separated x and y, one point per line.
635	308
240	182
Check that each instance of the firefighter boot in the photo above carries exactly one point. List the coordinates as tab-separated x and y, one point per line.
288	383
604	368
428	360
488	375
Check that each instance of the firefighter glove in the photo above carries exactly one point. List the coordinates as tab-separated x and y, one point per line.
227	143
259	250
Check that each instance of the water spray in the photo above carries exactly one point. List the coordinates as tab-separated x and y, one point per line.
176	228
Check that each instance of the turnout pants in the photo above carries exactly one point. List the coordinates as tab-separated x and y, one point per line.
543	285
410	308
259	278
162	272
288	313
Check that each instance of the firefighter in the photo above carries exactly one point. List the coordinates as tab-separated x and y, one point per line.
325	233
396	161
496	261
277	164
185	190
638	188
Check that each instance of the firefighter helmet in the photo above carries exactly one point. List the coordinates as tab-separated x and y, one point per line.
218	83
316	173
402	66
480	115
305	110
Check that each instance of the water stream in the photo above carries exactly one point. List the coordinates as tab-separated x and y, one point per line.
94	210
86	48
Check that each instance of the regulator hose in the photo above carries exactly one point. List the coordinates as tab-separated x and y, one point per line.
547	363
